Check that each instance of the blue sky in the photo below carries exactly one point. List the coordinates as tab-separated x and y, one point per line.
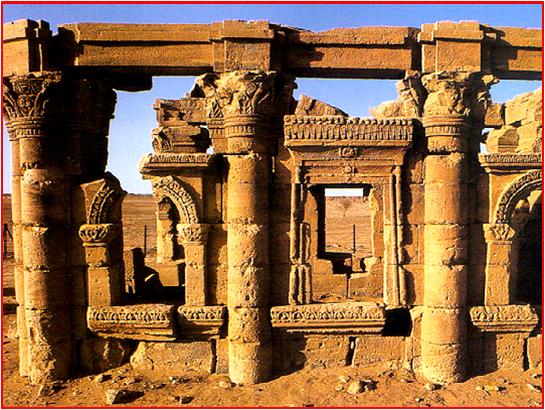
134	117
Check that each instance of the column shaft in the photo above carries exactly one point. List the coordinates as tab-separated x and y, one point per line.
248	268
444	339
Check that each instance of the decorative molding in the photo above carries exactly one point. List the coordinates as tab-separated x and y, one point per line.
446	126
150	322
201	320
503	319
161	140
191	163
523	185
342	131
173	189
98	234
511	160
353	317
109	194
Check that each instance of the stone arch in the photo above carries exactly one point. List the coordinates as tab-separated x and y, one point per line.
503	239
517	190
173	189
106	201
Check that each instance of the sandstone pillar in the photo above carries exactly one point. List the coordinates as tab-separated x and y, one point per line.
244	103
193	238
451	119
40	211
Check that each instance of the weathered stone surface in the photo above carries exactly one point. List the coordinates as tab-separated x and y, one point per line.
98	355
245	226
173	357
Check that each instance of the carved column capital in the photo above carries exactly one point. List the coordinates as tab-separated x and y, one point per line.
264	93
98	234
457	94
192	233
29	102
240	105
498	232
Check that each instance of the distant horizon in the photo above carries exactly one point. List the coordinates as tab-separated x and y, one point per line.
130	130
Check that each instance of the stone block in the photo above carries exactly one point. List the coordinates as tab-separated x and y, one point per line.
98	355
222	356
534	347
173	358
387	350
325	351
510	351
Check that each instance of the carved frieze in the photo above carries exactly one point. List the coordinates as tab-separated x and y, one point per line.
346	132
203	320
98	234
173	189
506	318
139	322
353	317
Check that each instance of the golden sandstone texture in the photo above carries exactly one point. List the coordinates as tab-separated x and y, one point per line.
444	277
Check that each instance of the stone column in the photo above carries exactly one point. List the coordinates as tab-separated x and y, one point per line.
31	109
452	117
193	238
244	104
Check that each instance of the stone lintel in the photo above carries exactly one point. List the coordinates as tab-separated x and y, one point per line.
365	52
147	322
504	319
354	317
201	320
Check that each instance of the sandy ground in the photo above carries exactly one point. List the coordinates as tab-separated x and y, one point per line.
311	387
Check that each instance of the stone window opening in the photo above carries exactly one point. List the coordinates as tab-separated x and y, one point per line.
344	228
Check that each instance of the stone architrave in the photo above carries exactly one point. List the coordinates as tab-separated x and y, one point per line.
241	106
456	102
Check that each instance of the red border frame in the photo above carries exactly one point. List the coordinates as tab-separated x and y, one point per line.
312	2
